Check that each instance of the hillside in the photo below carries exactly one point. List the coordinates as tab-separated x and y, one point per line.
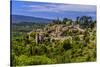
21	18
63	41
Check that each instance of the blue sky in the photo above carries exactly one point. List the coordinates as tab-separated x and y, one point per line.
52	10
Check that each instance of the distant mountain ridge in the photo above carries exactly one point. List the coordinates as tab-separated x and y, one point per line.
22	18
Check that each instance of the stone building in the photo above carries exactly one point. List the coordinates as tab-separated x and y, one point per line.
39	37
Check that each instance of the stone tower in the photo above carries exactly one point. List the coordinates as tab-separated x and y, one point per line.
39	37
36	37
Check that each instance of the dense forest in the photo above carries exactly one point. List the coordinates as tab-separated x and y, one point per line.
60	41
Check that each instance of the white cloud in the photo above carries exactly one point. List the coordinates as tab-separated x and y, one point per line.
61	8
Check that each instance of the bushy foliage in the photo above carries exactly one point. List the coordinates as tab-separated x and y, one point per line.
32	60
25	50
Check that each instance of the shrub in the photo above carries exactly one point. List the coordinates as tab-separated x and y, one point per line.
32	60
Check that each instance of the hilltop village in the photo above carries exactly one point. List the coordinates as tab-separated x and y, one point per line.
60	41
59	31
